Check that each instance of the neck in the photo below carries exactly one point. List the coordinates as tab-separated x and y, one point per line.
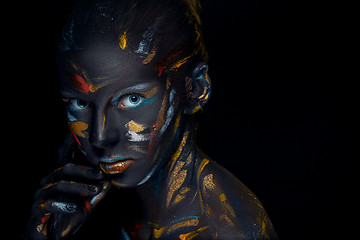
159	191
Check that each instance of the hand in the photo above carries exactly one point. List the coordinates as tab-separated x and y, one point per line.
62	205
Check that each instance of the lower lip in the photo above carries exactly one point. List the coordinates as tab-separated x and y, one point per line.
117	166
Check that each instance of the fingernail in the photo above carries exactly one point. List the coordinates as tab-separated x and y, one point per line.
71	207
92	188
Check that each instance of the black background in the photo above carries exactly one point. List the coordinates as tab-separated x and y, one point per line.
281	116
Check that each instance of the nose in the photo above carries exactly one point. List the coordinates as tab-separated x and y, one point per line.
103	134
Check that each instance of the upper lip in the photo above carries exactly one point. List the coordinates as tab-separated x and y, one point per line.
113	159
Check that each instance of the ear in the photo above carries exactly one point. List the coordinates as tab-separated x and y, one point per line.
198	89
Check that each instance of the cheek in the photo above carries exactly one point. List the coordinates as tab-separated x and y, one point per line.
78	130
138	136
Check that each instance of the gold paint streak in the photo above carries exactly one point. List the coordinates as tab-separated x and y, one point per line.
229	208
122	41
188	160
201	168
176	170
187	223
192	235
197	108
222	197
177	153
175	185
78	128
209	183
118	184
181	146
263	221
181	195
103	124
178	199
151	92
168	84
66	231
177	123
158	232
150	56
184	190
73	65
135	127
227	219
208	209
179	63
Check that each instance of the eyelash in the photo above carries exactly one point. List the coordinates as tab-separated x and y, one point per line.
74	104
137	105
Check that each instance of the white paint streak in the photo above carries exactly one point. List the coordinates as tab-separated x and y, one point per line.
148	35
137	137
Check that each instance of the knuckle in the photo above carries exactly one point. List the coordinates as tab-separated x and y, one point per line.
68	168
61	185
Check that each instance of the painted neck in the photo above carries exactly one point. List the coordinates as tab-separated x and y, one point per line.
159	189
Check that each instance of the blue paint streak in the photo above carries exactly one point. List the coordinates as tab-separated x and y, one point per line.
110	160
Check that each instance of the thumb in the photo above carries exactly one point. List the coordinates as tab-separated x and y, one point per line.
97	198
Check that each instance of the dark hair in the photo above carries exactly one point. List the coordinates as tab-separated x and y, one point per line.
171	28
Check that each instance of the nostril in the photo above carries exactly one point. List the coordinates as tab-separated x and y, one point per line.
103	140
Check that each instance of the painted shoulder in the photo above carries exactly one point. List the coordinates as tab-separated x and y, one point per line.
231	210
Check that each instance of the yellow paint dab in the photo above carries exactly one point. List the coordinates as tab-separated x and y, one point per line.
158	232
209	182
222	197
150	56
122	41
135	127
177	123
151	92
187	223
78	128
192	235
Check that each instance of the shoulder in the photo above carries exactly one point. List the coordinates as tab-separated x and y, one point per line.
230	208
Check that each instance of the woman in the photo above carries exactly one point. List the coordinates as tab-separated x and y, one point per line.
132	75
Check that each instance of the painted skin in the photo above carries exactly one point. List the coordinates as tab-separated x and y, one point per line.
130	126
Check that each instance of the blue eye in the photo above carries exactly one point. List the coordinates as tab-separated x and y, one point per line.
130	101
78	104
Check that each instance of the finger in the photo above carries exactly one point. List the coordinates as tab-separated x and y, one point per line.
98	197
73	170
54	206
68	187
37	224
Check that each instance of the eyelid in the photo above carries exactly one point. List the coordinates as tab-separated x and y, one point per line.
147	94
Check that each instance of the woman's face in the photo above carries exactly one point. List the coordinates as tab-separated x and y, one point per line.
123	117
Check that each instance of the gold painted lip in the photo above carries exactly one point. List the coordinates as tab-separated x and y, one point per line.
116	167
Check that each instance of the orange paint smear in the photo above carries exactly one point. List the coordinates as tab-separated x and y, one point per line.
162	64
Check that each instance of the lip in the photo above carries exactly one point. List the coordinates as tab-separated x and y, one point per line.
115	165
112	159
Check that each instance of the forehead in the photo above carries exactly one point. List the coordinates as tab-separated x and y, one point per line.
101	63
